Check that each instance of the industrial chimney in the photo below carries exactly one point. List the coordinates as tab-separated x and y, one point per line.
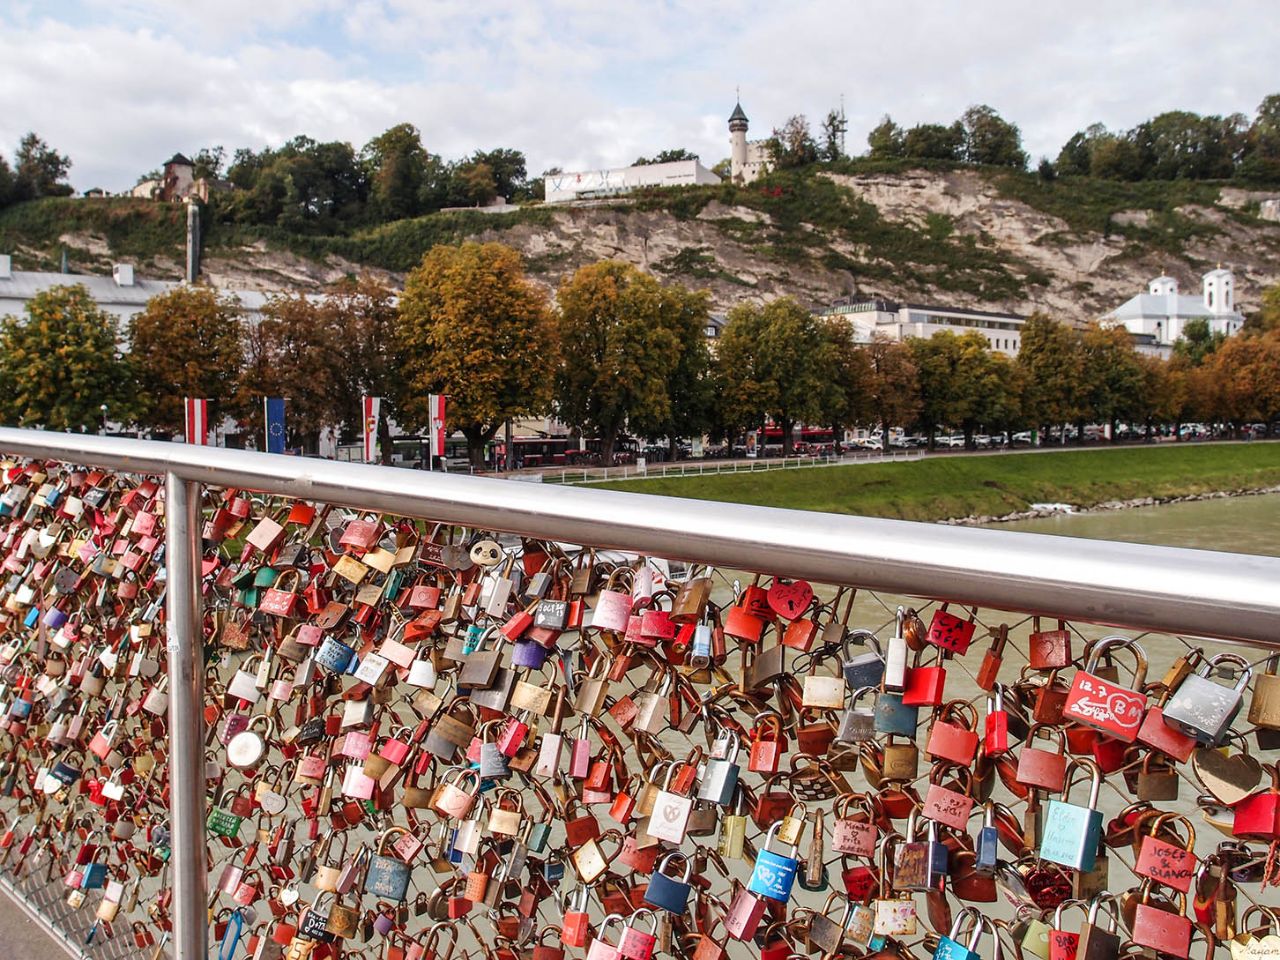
193	241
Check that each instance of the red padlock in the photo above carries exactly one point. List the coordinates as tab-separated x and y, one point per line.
949	632
1106	706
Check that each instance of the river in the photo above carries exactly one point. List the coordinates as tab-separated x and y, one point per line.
1238	525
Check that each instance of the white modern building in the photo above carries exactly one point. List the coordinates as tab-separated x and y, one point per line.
748	159
900	321
122	294
1158	317
596	184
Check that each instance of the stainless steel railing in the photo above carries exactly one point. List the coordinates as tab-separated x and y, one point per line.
1189	592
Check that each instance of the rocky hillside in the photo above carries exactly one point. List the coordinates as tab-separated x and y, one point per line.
980	238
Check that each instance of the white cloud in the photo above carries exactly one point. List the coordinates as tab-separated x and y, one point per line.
578	83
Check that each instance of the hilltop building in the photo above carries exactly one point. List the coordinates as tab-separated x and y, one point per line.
178	181
900	321
748	159
596	184
1158	317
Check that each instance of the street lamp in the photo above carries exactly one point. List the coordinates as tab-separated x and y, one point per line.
103	408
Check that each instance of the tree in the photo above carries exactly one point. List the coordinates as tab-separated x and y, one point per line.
624	345
39	170
185	343
1046	171
893	386
293	353
473	184
1050	358
833	128
361	312
508	170
774	363
933	141
1110	375
990	139
846	400
666	156
6	183
396	165
886	140
1197	341
723	169
1245	375
792	144
473	327
1268	316
1116	158
208	162
689	387
962	383
61	362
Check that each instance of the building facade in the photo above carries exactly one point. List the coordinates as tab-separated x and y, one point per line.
596	184
900	321
1158	318
748	159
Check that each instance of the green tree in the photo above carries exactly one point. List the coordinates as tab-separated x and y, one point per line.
1111	377
208	162
61	362
1116	158
666	156
185	343
473	184
886	140
472	326
6	183
934	141
1197	341
624	345
396	165
990	139
893	385
1267	317
1050	359
39	170
847	399
962	383
792	144
774	363
508	170
833	128
690	388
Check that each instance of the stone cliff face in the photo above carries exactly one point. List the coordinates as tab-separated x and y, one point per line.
886	247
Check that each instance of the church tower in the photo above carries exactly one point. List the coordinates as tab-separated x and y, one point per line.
737	143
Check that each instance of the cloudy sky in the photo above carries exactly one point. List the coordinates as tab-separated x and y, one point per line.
121	85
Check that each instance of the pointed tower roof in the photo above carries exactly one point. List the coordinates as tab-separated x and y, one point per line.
737	114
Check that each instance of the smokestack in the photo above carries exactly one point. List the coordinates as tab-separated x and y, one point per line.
193	241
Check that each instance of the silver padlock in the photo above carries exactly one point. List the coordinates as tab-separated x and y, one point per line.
1203	709
720	779
857	724
895	658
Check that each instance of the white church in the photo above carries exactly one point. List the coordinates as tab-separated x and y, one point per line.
1157	318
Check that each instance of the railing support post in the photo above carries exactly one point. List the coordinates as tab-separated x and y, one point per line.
185	647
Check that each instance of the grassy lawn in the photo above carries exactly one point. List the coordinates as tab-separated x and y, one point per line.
943	487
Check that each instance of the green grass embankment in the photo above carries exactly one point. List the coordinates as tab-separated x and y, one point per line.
945	487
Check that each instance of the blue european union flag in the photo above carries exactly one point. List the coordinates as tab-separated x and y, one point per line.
274	407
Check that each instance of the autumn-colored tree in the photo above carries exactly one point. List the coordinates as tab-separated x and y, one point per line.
689	385
1245	375
471	325
1049	358
963	384
361	314
61	362
293	352
1267	317
893	387
185	343
1163	394
623	334
1111	377
774	363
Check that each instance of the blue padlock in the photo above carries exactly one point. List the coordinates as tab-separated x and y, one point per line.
333	654
700	649
892	716
774	875
32	617
988	846
666	893
950	948
1071	832
95	874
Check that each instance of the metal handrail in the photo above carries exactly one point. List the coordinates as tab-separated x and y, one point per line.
1189	592
1137	586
